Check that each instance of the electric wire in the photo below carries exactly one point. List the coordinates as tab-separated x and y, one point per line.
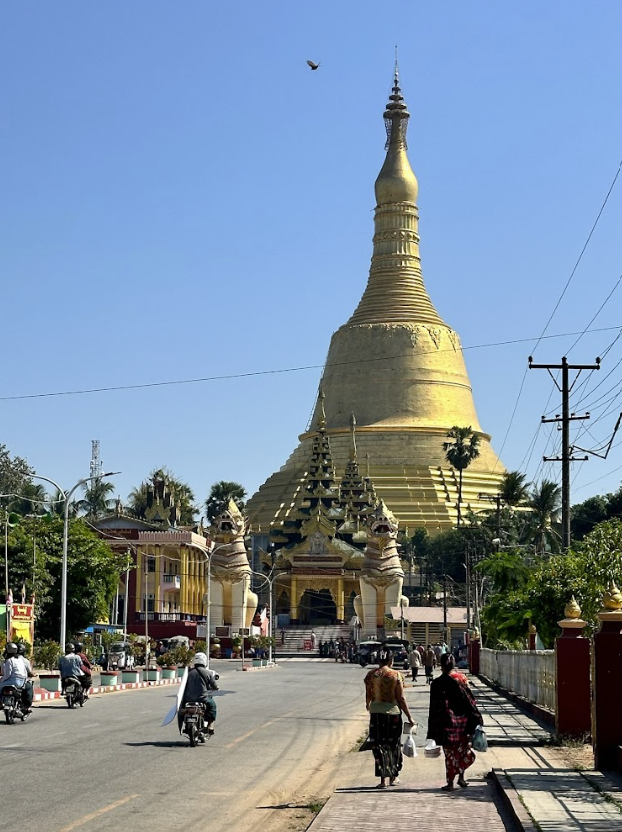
275	371
556	307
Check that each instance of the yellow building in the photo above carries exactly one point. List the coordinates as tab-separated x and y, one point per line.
399	368
170	583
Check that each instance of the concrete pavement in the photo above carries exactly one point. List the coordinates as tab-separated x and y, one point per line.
521	783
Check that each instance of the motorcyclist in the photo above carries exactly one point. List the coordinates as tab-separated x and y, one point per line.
70	665
199	684
86	667
28	692
14	669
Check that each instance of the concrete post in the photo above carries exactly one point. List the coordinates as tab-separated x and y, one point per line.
607	714
573	709
532	637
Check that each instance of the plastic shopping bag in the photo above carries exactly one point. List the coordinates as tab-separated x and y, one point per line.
409	749
479	742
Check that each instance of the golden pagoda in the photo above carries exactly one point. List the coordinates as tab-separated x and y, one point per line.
399	369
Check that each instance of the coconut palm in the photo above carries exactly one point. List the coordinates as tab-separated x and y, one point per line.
181	491
543	524
514	490
460	453
96	501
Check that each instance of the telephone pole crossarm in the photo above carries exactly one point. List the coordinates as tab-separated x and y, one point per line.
566	418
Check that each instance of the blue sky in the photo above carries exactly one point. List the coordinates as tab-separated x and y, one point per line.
182	197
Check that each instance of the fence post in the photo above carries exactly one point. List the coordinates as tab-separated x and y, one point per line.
607	714
532	636
473	652
573	706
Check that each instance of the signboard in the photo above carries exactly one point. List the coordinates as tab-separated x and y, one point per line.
22	618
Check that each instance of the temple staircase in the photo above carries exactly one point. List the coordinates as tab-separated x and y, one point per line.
297	635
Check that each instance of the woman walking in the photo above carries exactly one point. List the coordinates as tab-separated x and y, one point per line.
384	698
452	720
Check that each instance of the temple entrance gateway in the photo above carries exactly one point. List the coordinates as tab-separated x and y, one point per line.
317	607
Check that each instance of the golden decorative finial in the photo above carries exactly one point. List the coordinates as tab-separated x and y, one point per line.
321	423
612	599
352	438
532	629
572	609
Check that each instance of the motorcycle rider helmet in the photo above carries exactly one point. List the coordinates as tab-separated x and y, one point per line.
200	659
21	649
11	649
78	647
69	647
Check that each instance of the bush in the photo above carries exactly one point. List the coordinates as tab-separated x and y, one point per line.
47	654
167	659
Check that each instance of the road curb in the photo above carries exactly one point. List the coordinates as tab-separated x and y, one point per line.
511	800
43	695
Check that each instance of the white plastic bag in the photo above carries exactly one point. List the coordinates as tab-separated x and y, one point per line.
409	749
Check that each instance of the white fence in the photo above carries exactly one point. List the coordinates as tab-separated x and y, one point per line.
529	673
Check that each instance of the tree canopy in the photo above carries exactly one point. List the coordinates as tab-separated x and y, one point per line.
460	451
35	560
220	494
181	491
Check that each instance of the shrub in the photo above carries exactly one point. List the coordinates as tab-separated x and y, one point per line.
47	654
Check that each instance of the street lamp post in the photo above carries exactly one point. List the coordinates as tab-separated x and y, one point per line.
270	581
66	497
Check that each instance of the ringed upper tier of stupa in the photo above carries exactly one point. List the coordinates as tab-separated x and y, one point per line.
399	369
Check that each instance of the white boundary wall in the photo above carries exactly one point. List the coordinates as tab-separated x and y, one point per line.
529	673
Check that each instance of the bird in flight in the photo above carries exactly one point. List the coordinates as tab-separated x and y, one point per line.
312	64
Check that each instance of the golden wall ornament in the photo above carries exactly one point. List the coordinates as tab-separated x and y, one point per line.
572	609
612	599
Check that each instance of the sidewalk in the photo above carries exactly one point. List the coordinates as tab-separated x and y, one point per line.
521	783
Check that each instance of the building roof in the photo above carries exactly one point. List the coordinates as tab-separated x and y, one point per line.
456	616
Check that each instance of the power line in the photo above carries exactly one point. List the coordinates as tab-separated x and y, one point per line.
546	326
580	257
277	371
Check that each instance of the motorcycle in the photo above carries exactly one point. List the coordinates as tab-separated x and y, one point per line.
74	693
11	701
194	722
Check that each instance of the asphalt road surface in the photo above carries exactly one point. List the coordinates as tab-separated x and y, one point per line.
110	765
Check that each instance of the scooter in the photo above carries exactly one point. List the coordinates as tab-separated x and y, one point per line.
74	693
11	702
194	723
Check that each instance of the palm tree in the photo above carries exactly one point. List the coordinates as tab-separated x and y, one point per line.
543	524
460	453
220	494
96	501
181	491
514	490
31	500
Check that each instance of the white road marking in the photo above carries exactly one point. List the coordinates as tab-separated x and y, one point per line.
13	745
57	734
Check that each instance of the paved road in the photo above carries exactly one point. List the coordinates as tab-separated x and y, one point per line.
110	764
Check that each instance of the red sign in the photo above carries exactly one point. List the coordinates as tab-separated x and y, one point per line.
22	612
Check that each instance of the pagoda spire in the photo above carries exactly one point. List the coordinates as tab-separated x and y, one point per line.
395	290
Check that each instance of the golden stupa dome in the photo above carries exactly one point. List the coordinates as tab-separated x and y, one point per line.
572	609
612	599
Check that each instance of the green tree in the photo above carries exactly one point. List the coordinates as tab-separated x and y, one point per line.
460	452
514	490
35	561
586	515
181	491
542	527
14	473
97	501
220	494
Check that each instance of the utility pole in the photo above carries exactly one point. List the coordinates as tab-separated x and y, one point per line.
566	418
467	566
